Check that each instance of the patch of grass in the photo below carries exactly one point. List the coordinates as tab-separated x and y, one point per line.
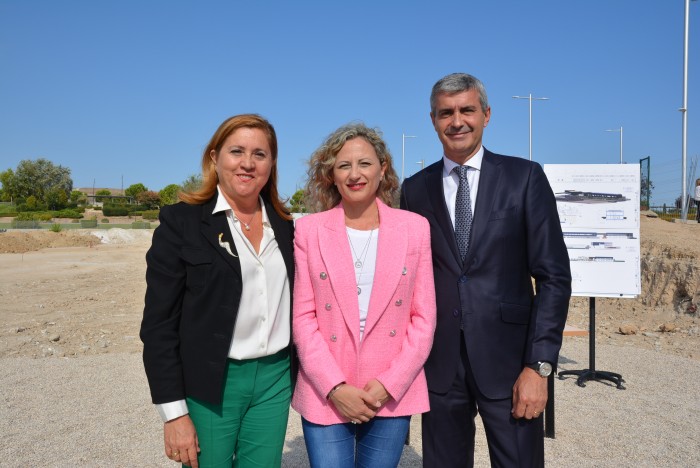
56	227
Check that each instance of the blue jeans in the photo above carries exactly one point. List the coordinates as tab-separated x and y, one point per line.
374	444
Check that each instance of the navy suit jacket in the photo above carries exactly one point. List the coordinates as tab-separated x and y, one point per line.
193	290
516	236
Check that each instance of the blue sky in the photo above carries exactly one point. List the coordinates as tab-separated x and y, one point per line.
135	89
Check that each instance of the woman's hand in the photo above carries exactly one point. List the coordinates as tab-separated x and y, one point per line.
181	443
354	404
375	388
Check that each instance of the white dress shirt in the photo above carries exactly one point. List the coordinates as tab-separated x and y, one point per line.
450	181
263	322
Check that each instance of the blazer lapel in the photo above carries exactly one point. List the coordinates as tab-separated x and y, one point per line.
214	225
488	187
436	194
392	245
283	238
335	252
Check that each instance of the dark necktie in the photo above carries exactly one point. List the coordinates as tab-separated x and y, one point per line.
463	212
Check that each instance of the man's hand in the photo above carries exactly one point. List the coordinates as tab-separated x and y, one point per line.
181	443
529	395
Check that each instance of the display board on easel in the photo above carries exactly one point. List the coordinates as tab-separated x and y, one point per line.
598	208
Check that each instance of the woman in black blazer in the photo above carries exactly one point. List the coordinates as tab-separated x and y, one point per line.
217	317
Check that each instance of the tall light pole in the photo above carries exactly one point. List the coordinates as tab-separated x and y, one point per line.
403	152
421	163
684	113
618	130
530	98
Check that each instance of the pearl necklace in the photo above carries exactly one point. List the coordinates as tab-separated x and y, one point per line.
246	225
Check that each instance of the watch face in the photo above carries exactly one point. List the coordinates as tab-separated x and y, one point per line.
545	369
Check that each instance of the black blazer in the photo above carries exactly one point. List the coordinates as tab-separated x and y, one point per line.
516	235
193	291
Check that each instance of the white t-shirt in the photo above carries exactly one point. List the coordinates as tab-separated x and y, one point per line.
363	248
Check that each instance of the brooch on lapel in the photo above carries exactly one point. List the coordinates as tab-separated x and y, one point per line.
226	245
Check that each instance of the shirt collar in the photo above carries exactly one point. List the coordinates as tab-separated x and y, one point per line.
474	162
222	205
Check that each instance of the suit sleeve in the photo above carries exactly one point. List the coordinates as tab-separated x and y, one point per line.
421	329
315	359
403	200
548	262
165	285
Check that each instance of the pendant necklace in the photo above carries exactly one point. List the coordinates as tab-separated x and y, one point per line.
360	260
246	225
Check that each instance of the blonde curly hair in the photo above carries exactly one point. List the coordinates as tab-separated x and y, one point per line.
320	193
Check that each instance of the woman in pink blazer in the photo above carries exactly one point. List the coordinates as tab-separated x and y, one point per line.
364	306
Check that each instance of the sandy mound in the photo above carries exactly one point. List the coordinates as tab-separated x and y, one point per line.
665	316
27	241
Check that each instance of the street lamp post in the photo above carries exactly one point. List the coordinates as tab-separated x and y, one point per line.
421	163
403	152
618	130
530	98
684	113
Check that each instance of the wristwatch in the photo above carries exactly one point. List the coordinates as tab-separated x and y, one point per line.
542	368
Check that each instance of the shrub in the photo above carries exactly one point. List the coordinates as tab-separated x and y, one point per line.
55	227
25	224
34	216
150	214
112	210
76	221
24	216
88	223
8	209
74	214
140	225
105	220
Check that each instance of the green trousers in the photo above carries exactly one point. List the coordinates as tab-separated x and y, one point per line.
248	428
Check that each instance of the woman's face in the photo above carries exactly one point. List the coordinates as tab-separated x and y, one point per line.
243	164
357	172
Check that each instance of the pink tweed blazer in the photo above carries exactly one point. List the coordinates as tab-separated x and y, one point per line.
400	320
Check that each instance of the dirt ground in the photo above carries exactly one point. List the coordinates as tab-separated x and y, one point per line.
80	292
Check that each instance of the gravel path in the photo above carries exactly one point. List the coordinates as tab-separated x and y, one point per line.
94	411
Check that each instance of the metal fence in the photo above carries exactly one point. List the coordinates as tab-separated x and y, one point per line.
669	213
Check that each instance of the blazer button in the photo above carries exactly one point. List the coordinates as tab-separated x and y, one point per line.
455	312
398	303
328	307
333	338
323	275
463	279
404	271
392	333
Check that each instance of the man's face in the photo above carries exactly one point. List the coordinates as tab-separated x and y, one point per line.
459	123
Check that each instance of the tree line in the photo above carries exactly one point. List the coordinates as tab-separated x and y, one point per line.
40	184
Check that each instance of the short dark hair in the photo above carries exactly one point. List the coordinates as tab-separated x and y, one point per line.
456	83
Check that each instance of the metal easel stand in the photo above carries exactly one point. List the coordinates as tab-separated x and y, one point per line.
591	373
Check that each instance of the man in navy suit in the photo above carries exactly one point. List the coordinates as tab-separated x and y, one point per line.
496	340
